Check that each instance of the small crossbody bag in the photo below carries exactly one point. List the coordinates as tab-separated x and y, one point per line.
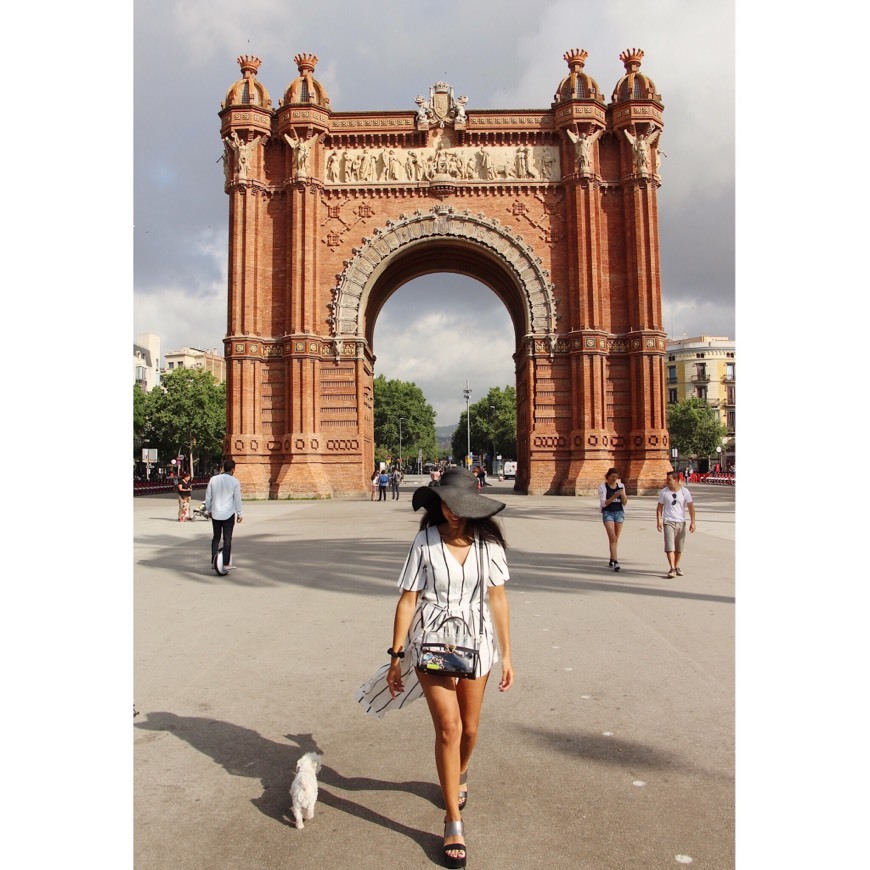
447	655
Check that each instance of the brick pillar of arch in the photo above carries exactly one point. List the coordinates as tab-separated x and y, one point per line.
578	259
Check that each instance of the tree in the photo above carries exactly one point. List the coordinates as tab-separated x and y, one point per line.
493	425
396	399
695	428
187	413
140	416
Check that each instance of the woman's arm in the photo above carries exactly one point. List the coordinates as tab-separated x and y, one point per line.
405	608
498	606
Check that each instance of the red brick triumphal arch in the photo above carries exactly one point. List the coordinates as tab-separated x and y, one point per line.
553	209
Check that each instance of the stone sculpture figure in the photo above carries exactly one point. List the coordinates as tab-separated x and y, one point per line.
522	162
366	166
583	148
332	166
487	170
424	110
243	152
640	147
301	152
548	161
412	166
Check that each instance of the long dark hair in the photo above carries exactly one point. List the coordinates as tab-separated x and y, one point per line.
487	529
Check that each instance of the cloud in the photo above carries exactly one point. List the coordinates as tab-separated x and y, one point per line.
380	55
440	331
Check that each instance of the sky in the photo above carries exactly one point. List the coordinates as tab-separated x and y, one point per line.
379	55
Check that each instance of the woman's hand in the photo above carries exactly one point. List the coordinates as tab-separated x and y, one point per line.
507	674
394	678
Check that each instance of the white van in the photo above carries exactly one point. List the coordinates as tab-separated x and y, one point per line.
510	469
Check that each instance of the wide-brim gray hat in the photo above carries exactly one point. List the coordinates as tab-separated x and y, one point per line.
458	490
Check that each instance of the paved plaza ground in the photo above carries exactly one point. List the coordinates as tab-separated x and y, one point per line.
613	751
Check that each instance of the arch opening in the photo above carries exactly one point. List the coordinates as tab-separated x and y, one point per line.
443	331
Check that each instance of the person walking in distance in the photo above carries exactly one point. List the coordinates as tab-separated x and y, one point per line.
185	487
674	500
383	482
223	502
395	482
612	499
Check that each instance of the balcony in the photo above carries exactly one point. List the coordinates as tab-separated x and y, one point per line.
728	379
701	379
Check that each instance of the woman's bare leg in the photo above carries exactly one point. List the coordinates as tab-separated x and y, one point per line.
446	709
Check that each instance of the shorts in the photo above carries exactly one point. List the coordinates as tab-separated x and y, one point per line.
675	536
613	516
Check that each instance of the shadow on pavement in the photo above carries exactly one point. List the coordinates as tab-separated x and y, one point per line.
243	752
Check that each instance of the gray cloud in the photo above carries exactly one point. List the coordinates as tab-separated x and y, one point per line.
379	55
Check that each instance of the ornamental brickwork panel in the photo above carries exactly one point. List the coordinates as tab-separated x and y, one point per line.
554	209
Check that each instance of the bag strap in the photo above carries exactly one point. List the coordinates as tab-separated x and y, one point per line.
479	545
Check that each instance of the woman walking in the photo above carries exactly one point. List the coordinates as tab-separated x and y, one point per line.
612	499
456	562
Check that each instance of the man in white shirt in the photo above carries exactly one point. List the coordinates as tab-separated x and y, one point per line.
674	500
223	501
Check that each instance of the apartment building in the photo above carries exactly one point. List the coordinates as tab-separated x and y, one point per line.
705	367
195	358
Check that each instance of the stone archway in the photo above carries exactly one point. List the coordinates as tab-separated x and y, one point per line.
554	209
474	245
446	224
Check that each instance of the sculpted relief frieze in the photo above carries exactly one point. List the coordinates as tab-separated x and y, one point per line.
524	163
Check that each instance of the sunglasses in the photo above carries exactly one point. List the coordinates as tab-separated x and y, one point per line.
675	498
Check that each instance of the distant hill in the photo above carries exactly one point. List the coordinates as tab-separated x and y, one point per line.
444	436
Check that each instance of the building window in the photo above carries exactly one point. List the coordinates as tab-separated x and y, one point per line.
731	417
672	374
729	395
701	393
672	397
671	358
729	371
171	366
699	356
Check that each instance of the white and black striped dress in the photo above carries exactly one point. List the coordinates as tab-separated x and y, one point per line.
449	594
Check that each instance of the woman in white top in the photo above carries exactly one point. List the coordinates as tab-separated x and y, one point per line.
612	499
458	546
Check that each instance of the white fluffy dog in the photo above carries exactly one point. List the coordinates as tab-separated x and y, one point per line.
303	791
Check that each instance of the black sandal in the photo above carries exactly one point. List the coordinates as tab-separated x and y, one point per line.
463	795
454	829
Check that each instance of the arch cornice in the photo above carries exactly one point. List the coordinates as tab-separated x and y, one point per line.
361	272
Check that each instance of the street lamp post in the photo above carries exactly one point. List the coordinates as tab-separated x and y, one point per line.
492	424
467	393
400	442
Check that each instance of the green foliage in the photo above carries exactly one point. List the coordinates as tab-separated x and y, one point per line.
493	424
140	415
695	428
394	399
187	413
